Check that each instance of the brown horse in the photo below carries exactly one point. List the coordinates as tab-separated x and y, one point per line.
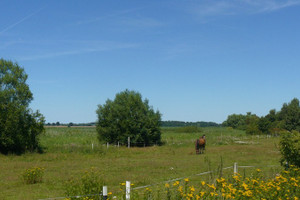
200	145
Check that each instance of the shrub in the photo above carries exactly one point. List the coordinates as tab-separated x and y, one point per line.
33	175
290	147
128	116
89	185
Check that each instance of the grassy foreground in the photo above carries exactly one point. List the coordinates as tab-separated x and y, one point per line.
68	152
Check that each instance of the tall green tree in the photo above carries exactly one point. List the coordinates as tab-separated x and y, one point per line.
19	125
290	114
128	116
236	121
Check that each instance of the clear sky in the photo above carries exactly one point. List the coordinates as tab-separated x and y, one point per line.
194	60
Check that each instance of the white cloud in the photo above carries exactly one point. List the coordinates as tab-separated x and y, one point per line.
78	47
206	9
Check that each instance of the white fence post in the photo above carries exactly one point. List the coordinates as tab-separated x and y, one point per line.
107	144
104	192
92	146
127	190
118	144
235	168
128	142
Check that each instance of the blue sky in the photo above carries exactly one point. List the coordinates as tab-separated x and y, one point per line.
193	60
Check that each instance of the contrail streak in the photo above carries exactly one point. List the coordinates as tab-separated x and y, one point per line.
23	19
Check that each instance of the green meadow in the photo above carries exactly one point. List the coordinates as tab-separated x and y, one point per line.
68	152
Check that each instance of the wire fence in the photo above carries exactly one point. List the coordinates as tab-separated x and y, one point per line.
103	194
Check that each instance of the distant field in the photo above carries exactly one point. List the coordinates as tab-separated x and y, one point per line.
68	152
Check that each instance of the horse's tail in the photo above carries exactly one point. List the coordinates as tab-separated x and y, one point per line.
197	144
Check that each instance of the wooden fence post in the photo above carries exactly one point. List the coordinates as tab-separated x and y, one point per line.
235	168
104	192
127	190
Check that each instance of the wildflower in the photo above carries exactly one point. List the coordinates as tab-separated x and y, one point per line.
258	170
245	186
192	189
180	188
212	186
202	183
186	180
247	193
202	194
167	185
176	183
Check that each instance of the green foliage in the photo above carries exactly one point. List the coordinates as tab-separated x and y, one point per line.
181	124
290	114
128	116
290	148
235	121
89	183
33	175
188	129
19	126
288	118
252	124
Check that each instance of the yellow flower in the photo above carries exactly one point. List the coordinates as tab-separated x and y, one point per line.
192	189
245	186
247	193
110	193
202	182
202	194
180	188
123	184
258	170
176	183
167	185
212	186
277	188
186	180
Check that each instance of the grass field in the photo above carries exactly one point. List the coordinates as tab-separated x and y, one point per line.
68	152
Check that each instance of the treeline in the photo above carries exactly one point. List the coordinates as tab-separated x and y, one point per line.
70	124
163	124
288	118
183	124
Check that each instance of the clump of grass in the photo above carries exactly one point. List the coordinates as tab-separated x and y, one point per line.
89	183
33	175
